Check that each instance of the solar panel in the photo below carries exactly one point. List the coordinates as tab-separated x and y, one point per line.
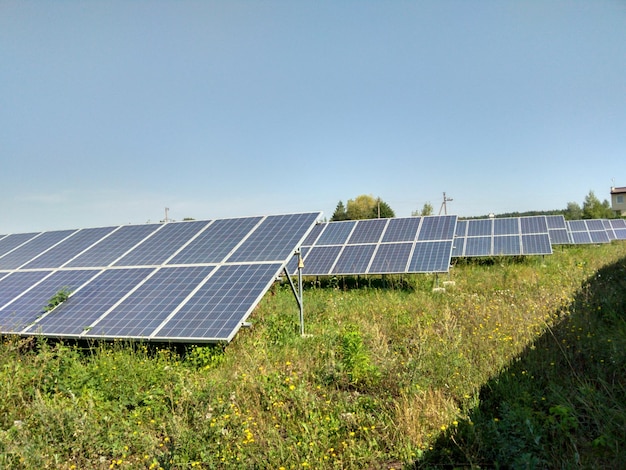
507	236
184	281
619	228
380	246
557	230
10	242
354	259
217	308
69	248
25	310
587	231
26	252
113	246
391	258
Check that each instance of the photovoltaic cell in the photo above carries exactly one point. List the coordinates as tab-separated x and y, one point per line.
319	260
354	259
535	224
275	238
336	233
431	257
391	258
60	254
217	309
477	246
17	283
479	227
437	228
34	247
217	241
368	231
24	310
112	247
536	244
76	314
506	226
10	242
507	245
461	228
148	306
402	230
162	245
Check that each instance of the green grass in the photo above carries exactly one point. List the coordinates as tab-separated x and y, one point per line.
518	365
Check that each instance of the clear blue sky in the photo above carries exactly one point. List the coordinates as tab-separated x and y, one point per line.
111	111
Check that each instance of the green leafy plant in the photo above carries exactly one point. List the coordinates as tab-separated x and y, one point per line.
57	299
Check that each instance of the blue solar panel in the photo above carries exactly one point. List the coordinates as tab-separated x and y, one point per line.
555	222
10	242
368	231
478	246
402	230
507	245
461	228
147	307
336	233
391	258
312	236
319	260
217	310
480	227
112	247
60	254
559	237
77	314
598	236
162	244
619	228
506	226
26	309
534	224
217	241
145	292
458	247
536	244
275	238
17	283
34	247
354	259
437	228
431	257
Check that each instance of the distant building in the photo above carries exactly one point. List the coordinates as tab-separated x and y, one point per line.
618	200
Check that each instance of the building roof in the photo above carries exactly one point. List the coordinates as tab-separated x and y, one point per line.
621	190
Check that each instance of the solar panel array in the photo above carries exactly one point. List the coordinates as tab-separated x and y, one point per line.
379	246
507	236
587	231
188	281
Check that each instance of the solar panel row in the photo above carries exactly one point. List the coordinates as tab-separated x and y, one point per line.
502	237
187	281
379	246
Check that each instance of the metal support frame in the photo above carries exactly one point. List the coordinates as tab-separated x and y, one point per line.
297	292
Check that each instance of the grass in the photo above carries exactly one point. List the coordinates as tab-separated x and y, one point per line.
518	365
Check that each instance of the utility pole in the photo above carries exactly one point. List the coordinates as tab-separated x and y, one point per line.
166	211
444	207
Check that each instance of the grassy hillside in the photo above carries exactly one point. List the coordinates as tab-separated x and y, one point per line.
518	365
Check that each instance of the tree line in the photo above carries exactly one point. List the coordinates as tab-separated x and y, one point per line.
369	207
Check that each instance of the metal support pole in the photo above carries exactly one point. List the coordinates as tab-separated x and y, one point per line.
297	293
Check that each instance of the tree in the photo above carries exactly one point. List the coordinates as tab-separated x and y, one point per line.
427	209
594	209
340	213
383	210
367	207
573	211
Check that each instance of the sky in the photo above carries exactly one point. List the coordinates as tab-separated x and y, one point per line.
112	111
